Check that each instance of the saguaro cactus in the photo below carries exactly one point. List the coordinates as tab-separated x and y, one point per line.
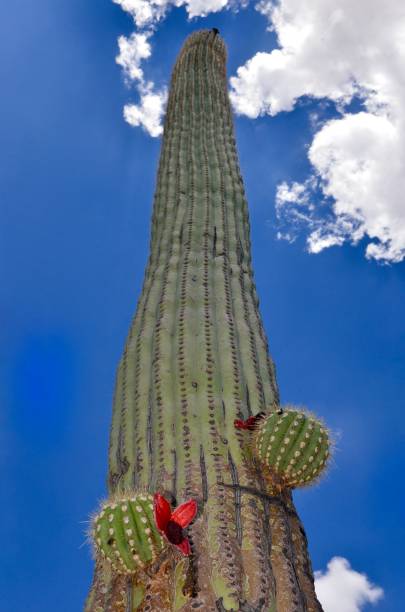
196	359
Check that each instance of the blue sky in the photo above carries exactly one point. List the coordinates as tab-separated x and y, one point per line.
76	187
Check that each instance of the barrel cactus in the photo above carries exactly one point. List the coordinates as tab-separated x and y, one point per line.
125	533
293	447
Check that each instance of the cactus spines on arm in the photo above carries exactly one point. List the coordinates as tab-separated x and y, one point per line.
293	447
196	359
125	533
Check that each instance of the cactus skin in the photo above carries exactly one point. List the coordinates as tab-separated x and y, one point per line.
126	535
196	359
293	447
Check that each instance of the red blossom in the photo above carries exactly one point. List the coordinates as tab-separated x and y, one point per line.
172	524
250	423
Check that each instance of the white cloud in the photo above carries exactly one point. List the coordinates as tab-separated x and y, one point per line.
132	51
342	589
148	114
295	193
201	8
339	51
327	49
360	160
359	163
146	13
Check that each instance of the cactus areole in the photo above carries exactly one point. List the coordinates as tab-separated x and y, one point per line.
196	359
125	534
292	448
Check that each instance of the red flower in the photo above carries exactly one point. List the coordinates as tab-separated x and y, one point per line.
250	423
172	524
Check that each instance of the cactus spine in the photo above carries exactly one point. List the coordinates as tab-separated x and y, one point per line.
196	359
126	535
292	447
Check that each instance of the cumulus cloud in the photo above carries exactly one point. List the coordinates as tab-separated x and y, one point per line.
342	589
146	13
148	114
340	52
136	48
132	51
359	163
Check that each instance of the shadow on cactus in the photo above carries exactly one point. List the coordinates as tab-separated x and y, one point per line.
292	446
125	533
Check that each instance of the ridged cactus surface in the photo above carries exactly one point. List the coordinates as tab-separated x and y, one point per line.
292	446
125	533
196	359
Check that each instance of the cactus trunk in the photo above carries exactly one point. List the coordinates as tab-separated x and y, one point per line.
196	358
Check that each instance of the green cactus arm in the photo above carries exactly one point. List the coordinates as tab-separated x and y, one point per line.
195	359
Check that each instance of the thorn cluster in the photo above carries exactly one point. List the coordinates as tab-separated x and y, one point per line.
125	533
294	447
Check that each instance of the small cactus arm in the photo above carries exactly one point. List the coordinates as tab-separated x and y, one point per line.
196	359
293	448
125	534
